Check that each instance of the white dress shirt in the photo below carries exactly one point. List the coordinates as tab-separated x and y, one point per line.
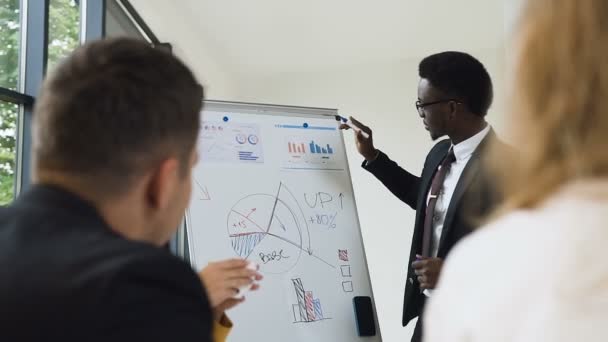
533	275
463	152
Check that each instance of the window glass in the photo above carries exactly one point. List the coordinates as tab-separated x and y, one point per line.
8	151
64	29
9	43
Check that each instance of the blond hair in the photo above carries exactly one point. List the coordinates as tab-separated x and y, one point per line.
559	99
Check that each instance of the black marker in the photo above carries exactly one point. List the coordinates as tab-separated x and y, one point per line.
349	123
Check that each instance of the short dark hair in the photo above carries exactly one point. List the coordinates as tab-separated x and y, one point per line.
113	109
460	75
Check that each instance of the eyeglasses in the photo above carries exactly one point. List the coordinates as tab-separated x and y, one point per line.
420	106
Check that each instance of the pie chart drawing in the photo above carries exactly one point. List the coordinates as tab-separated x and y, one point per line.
265	229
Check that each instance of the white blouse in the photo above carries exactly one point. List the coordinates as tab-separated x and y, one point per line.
535	275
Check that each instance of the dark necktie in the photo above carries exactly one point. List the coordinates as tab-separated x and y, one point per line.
436	186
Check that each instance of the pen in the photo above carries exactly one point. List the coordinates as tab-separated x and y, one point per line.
349	123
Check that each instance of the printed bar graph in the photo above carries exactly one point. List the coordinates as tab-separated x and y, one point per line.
314	148
308	309
296	148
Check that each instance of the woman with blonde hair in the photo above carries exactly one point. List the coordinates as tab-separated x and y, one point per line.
538	271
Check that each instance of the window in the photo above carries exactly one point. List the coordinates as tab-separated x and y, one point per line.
9	44
27	50
8	153
9	78
64	29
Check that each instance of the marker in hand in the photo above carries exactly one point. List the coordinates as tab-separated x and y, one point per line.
349	123
242	290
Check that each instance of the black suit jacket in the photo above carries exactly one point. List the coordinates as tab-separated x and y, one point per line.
65	276
473	198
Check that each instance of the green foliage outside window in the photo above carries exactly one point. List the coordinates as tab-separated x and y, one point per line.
63	38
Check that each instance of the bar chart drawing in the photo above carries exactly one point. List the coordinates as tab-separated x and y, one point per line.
313	151
314	148
296	148
308	309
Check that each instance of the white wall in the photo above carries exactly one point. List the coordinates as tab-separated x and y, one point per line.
218	80
382	96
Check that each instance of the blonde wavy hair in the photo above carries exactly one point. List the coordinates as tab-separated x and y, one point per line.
559	113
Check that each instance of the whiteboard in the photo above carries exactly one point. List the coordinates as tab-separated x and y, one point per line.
272	185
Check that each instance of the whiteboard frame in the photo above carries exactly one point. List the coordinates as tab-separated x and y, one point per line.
185	250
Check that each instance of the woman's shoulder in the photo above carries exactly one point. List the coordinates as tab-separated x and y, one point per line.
498	235
544	235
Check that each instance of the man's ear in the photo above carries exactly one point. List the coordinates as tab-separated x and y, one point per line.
162	183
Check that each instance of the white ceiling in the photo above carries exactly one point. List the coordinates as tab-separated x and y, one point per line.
253	37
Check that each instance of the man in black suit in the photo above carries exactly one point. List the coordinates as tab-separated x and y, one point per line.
454	95
81	251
